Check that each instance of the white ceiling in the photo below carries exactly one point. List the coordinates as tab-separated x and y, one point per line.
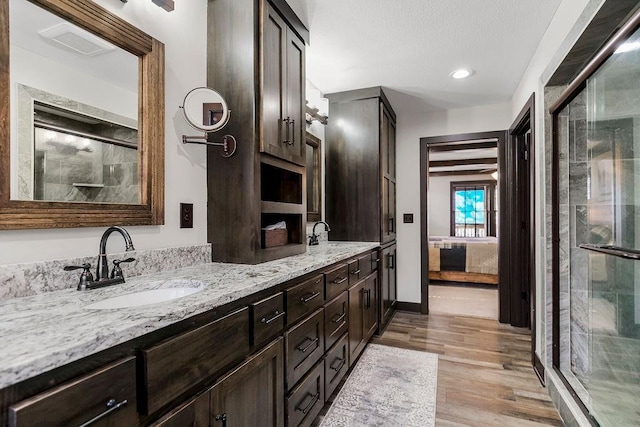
411	46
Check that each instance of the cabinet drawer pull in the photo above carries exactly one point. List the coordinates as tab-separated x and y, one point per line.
339	280
304	349
367	301
310	297
392	261
341	361
391	225
223	418
339	318
314	400
272	319
286	127
354	272
112	407
293	132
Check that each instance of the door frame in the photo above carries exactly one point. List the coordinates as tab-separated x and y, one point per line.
425	143
525	122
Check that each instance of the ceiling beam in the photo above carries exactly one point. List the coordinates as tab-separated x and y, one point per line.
463	162
463	172
455	147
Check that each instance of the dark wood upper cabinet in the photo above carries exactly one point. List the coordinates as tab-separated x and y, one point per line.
256	54
360	165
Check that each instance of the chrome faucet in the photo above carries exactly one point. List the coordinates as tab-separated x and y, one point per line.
102	271
313	240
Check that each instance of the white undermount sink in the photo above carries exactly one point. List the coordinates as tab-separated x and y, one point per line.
137	299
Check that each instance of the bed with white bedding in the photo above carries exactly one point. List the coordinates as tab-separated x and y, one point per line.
463	259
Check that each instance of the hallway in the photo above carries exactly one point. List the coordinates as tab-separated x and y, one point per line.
485	376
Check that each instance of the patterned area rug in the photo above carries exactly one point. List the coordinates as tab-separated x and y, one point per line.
388	387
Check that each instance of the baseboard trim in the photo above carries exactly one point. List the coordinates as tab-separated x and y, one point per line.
413	307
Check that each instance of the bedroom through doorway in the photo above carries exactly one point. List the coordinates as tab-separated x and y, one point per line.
462	225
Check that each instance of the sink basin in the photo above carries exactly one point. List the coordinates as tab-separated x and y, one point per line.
138	299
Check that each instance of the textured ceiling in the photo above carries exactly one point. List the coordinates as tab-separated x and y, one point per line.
411	46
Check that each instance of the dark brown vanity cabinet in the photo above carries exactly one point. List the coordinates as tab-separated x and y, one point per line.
360	162
253	393
388	277
256	51
363	314
283	95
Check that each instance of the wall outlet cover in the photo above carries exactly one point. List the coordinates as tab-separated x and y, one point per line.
407	218
186	215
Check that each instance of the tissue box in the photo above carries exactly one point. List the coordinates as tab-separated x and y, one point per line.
272	238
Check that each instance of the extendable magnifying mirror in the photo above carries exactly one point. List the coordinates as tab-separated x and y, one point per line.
206	110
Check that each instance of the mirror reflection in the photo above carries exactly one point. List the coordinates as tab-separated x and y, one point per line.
205	109
74	127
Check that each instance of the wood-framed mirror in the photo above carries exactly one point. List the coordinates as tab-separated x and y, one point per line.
53	143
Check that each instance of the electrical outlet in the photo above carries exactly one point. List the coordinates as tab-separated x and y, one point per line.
186	215
407	218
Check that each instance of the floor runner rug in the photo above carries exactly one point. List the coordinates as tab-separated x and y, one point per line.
389	386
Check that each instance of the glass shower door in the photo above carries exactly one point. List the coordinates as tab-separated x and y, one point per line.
613	243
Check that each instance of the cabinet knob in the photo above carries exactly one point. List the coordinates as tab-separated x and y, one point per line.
223	418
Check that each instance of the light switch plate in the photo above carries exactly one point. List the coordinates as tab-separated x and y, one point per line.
407	218
186	215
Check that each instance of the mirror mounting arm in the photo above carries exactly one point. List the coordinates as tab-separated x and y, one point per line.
228	143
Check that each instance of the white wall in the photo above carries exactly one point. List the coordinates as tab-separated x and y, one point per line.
566	26
440	201
410	128
184	33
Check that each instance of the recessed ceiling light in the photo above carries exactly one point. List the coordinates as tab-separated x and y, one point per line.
461	74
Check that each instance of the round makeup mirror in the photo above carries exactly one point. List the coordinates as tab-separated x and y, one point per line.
205	109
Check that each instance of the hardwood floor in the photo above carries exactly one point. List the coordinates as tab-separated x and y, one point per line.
484	370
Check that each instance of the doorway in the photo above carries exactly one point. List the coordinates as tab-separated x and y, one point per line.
462	233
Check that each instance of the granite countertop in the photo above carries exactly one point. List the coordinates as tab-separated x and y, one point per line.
46	331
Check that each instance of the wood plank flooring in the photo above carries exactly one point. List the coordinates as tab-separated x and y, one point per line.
484	370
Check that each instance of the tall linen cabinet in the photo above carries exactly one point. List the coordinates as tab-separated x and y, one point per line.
361	179
256	60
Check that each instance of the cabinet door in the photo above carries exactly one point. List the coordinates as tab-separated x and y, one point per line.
392	223
393	276
295	99
252	394
274	45
392	149
356	321
388	285
194	413
370	314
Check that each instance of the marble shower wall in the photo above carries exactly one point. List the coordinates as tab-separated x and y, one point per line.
21	280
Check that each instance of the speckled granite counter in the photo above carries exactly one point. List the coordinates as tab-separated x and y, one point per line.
43	332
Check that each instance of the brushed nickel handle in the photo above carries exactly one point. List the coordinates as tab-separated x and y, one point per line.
304	349
112	407
310	297
223	418
293	132
339	280
278	314
314	400
355	272
341	361
286	127
339	318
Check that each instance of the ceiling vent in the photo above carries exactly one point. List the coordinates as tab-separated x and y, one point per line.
77	39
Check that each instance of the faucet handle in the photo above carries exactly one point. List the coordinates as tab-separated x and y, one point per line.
85	278
117	271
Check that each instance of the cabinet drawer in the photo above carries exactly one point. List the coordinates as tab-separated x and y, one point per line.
267	318
179	364
306	401
336	319
305	346
354	272
336	281
304	298
366	264
110	392
336	365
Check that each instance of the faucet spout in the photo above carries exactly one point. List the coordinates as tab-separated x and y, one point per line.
102	271
313	240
